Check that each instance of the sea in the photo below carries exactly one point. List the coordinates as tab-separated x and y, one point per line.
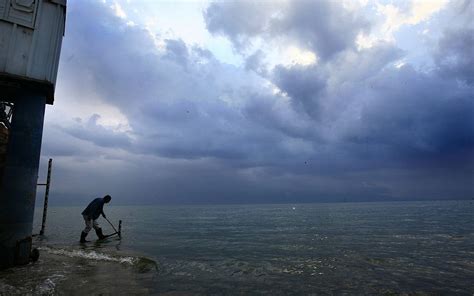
374	248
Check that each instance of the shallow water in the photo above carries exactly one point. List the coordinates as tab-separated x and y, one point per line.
80	271
344	248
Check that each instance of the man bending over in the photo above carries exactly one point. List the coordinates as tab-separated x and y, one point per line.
91	214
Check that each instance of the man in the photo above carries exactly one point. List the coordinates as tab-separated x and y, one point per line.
91	214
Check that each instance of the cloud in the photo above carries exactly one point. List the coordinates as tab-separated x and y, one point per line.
454	55
414	13
325	27
305	85
176	51
417	118
239	20
101	136
165	121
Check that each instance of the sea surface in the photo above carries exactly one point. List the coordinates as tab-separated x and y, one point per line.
284	249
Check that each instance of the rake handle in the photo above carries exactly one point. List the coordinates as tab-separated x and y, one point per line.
111	224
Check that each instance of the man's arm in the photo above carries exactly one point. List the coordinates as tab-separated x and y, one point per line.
102	210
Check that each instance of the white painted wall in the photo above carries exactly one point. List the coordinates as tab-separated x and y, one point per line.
31	32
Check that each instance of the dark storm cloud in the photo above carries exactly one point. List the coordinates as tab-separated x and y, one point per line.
180	103
238	20
305	85
92	132
176	51
416	118
280	116
323	95
453	51
255	62
324	27
59	144
351	126
455	54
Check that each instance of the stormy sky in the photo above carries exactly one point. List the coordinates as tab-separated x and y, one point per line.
263	101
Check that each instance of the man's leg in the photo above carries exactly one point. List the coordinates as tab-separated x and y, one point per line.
86	230
98	230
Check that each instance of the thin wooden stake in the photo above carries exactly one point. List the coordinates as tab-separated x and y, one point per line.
46	195
120	229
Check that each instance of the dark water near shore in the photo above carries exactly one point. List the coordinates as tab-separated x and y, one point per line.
353	248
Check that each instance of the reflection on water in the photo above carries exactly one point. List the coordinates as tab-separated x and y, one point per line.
353	248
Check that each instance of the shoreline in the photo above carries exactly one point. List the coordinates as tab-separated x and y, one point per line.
80	271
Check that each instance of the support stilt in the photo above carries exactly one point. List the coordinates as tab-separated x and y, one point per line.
18	184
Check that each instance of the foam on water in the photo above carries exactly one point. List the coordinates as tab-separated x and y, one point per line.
68	270
47	287
91	255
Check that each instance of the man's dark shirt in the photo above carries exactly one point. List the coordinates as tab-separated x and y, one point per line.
94	209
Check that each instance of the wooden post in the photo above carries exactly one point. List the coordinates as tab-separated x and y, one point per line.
46	195
120	229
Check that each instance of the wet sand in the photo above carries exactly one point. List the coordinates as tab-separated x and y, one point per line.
74	271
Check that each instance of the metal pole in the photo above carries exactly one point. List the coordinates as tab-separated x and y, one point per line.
46	195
